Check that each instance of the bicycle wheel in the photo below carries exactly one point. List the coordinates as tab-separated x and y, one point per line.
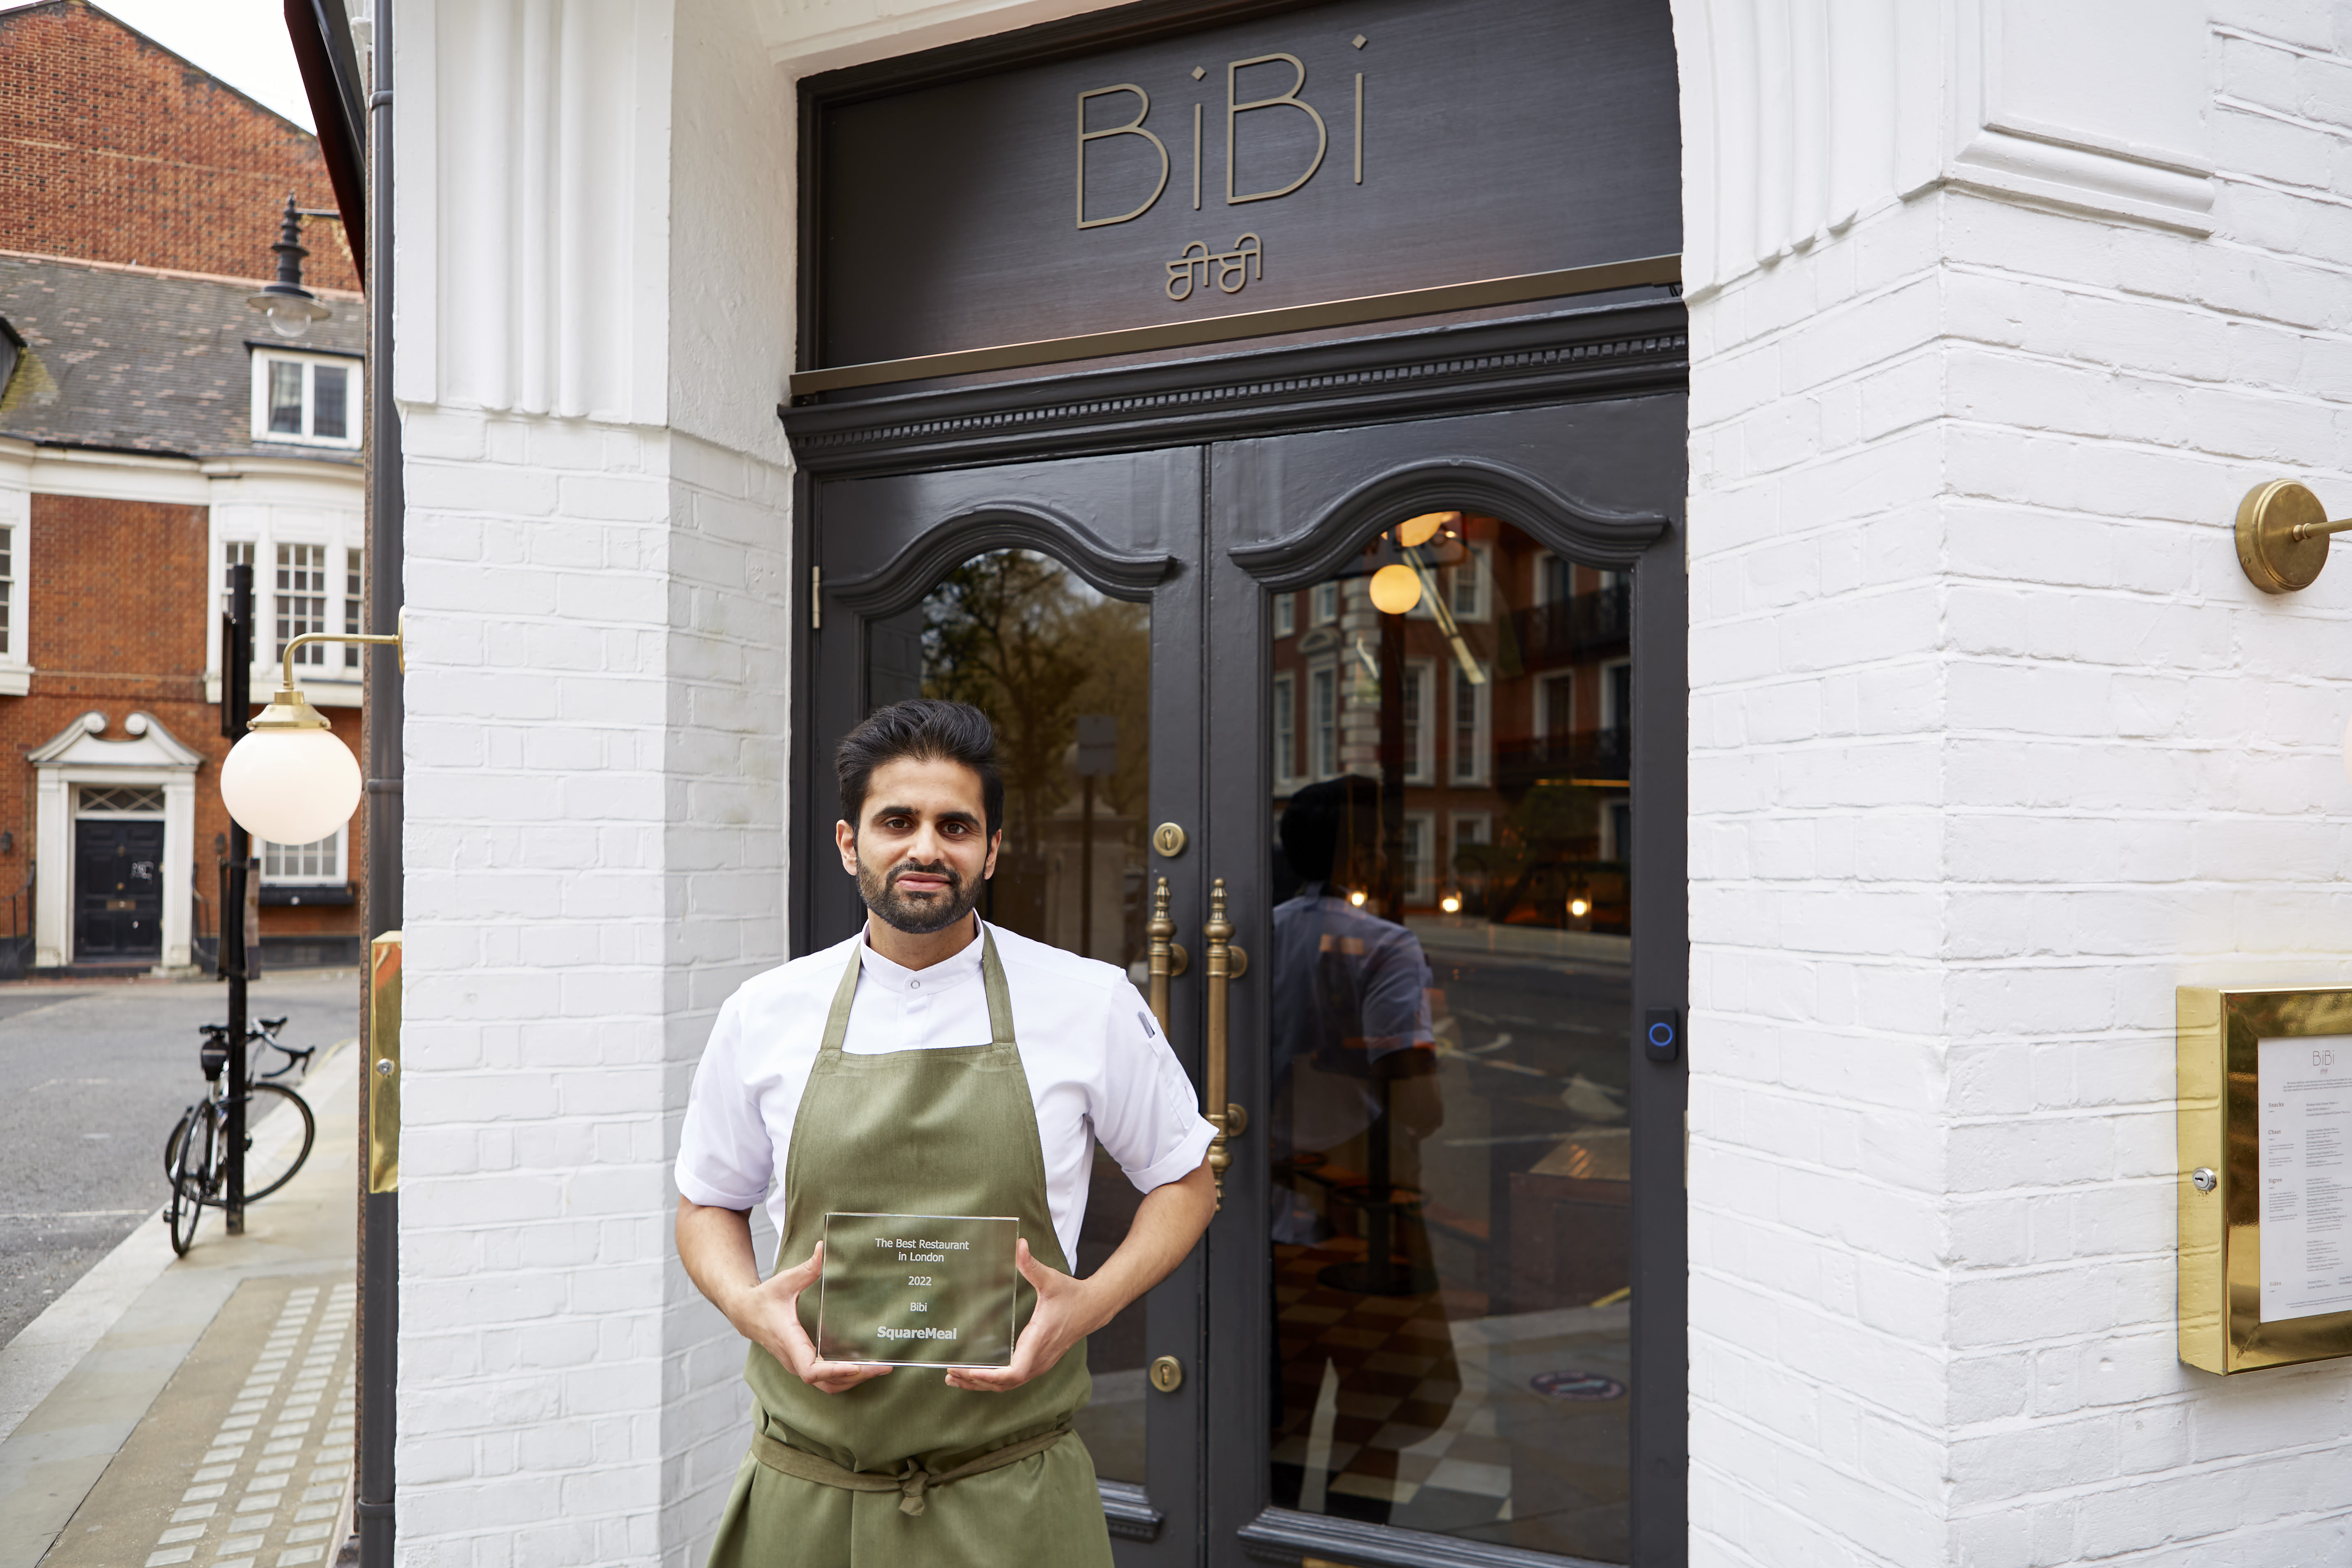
171	1146
193	1174
272	1163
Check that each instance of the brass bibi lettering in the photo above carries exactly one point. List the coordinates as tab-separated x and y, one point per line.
1235	267
1132	128
1235	107
1290	98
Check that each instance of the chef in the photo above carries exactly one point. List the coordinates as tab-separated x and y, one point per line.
931	1064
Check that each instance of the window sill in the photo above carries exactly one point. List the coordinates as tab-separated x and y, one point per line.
307	893
15	679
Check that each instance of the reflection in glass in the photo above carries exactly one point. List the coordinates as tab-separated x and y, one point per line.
1064	675
1449	1213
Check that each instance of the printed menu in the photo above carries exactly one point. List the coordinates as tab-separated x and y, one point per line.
2305	1087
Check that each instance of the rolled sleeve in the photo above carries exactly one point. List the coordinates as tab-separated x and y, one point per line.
724	1157
1149	1120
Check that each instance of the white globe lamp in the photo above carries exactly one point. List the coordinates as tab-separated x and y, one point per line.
289	780
291	783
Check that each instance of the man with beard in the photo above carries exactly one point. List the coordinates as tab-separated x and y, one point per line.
936	1065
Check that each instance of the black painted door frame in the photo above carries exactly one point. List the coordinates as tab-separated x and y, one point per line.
1130	523
1205	484
1600	483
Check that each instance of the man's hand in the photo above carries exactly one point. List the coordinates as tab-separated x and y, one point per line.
768	1315
1167	1223
1068	1310
715	1244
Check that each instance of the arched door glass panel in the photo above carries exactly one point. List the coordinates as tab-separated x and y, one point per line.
1449	1210
1064	673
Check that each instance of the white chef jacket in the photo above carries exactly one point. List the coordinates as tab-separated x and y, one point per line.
1098	1065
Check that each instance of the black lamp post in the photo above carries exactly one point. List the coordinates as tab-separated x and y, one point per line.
291	307
231	958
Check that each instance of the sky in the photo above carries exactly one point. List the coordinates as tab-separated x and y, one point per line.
243	42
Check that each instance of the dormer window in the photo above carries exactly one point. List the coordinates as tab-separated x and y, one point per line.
310	400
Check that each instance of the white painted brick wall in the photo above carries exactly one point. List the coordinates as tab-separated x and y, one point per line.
1993	746
594	848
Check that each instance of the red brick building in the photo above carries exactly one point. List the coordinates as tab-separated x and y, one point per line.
153	432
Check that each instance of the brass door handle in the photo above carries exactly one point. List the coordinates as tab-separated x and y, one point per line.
1168	959
1225	1116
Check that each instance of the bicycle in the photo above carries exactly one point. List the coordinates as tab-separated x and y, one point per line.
195	1156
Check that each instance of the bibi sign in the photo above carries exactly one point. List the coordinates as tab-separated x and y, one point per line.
1306	156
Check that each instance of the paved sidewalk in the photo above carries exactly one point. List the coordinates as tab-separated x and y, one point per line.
197	1411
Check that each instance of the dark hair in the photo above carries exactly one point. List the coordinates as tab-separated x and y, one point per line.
925	728
1314	818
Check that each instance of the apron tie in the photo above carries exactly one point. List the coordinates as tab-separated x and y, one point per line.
909	1483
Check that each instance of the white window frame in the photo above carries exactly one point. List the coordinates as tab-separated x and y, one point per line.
1482	732
354	583
1322	678
1419	871
1286	614
1420	742
1481	567
311	363
1283	723
1458	825
1538	588
1548	723
16	537
1480	823
1610	719
1323	605
272	594
333	682
336	876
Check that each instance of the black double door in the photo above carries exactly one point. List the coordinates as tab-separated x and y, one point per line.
1405	701
117	889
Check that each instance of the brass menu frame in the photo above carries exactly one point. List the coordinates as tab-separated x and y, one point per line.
2219	1123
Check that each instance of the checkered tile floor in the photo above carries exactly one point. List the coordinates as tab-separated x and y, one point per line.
1417	1411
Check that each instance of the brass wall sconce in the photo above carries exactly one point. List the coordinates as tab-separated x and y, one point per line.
290	780
2282	536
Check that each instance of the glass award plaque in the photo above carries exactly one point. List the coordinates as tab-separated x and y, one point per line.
915	1289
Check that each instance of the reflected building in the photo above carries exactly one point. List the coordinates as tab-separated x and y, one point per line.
1449	1216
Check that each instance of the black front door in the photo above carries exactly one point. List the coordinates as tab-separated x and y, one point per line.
1407	696
117	889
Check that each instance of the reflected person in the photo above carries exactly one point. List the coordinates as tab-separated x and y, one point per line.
1353	1052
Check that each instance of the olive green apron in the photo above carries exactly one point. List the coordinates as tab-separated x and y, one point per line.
903	1471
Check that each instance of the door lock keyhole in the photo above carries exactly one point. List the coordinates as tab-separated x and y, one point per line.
1168	1374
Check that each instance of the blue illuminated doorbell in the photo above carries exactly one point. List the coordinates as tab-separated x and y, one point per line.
1662	1034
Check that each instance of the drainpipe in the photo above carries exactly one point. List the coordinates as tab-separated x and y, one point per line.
379	1337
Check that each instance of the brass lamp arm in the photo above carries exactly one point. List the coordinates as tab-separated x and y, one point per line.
2302	530
288	709
380	639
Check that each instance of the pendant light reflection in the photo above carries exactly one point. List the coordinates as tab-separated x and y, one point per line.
1395	589
1416	531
